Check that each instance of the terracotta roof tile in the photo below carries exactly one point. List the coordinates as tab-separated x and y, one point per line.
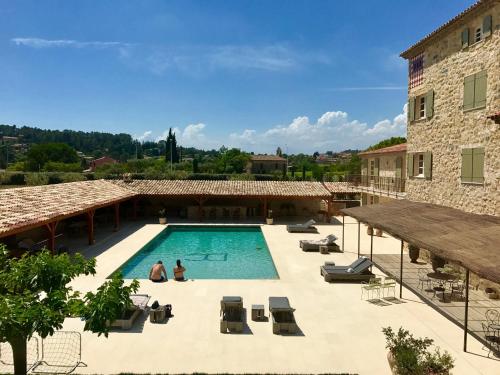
267	158
386	150
341	187
22	207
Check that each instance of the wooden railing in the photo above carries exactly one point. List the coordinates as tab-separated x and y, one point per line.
380	183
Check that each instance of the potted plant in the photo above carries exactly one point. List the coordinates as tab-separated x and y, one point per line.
437	262
414	253
163	216
269	218
369	230
411	356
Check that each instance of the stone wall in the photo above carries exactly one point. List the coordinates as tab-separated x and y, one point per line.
446	65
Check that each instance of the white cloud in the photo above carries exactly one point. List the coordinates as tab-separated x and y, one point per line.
146	136
332	131
61	43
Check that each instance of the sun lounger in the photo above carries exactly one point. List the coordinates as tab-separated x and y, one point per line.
140	301
282	315
232	314
357	271
313	245
307	227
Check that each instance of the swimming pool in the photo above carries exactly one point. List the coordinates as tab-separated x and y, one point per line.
207	252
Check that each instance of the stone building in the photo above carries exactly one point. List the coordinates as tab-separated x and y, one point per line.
383	174
453	123
261	164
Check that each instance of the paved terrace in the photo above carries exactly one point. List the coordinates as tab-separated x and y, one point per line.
339	331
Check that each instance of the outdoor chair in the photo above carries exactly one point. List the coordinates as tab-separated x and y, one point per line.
388	284
491	338
232	314
357	271
492	316
313	245
373	285
7	359
282	315
307	227
61	353
457	290
423	279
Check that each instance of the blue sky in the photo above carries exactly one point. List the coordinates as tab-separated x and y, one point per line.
304	75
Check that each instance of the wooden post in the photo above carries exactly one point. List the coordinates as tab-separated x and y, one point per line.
264	214
117	217
134	209
90	226
359	238
51	227
343	231
401	272
466	318
329	210
200	208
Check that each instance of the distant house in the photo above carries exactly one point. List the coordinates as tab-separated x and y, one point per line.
101	161
261	164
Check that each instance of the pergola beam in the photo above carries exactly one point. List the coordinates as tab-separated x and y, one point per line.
51	227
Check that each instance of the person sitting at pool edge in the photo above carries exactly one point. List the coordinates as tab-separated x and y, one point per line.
179	271
155	275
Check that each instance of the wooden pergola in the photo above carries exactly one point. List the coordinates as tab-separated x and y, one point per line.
469	240
200	191
27	208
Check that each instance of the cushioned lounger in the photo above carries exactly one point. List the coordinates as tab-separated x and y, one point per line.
302	228
232	314
312	245
358	271
282	315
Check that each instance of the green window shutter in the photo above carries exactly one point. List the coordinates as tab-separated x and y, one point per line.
429	104
377	166
399	162
409	165
411	109
465	37
469	92
364	166
487	23
466	165
478	165
480	89
428	165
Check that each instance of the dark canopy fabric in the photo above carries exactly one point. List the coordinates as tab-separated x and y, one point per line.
471	240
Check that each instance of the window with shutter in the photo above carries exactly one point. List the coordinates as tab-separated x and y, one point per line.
377	167
427	165
475	90
465	38
399	162
411	109
429	104
409	165
480	89
487	23
466	165
473	165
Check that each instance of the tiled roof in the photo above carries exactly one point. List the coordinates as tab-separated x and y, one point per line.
477	5
302	189
340	187
267	158
31	206
386	150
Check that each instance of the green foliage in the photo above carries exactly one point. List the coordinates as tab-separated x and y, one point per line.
36	179
17	179
232	161
387	142
40	154
171	152
412	356
52	166
110	302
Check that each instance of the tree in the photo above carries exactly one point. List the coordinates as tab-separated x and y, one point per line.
171	153
195	165
387	142
40	154
279	152
35	298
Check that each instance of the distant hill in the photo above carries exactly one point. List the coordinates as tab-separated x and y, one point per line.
119	146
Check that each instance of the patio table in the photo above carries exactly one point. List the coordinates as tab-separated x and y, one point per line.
442	278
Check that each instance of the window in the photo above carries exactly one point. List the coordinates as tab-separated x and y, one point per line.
419	165
475	91
416	70
372	167
473	165
477	35
421	107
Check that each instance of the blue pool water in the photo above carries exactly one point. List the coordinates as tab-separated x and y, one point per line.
207	252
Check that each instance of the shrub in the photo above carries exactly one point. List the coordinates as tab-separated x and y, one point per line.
36	179
411	354
72	177
17	179
54	179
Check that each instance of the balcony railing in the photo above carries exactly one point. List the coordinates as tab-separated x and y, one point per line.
378	183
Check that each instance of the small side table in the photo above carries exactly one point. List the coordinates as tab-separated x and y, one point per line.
324	249
257	312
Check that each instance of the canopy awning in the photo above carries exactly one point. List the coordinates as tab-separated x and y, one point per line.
470	240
